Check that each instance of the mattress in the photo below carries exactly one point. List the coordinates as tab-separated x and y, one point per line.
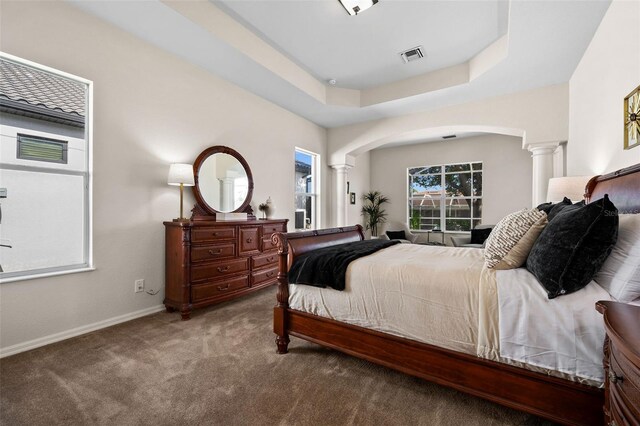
444	296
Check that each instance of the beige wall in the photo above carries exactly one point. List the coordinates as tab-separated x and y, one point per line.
608	71
359	182
507	172
151	109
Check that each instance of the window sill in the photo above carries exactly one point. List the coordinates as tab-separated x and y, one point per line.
46	274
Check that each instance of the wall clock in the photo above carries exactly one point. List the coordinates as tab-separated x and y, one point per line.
632	119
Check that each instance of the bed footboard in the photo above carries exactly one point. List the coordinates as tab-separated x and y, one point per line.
293	244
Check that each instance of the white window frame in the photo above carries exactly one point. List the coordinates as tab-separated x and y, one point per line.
315	194
443	197
88	264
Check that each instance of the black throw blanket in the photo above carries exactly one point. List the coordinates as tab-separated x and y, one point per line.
328	266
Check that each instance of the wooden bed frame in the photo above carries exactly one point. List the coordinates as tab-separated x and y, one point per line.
550	397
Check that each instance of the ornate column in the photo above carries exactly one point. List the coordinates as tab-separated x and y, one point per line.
341	193
542	155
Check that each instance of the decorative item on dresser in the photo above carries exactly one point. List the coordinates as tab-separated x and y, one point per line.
621	363
208	260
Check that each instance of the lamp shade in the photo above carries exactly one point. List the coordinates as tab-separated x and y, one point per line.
181	174
571	187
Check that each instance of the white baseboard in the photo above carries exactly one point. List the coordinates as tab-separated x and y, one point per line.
56	337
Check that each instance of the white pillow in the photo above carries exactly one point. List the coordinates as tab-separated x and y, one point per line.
620	273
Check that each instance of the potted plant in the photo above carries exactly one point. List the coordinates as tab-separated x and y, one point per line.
373	212
264	208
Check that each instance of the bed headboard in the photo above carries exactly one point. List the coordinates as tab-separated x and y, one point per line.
622	186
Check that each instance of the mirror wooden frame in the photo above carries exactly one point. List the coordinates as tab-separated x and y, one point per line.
202	210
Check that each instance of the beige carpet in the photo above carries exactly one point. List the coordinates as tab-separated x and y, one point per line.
221	368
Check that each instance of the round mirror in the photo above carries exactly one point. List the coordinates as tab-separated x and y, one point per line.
223	181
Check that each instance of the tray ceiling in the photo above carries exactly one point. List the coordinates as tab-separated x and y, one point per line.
285	51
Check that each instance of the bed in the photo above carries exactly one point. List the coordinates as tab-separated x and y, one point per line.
469	363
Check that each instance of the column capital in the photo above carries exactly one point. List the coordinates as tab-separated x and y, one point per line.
342	160
341	167
541	148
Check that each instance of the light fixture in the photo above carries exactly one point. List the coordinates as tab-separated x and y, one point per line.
354	7
572	187
181	174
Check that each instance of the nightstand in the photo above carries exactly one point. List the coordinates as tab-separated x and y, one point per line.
621	363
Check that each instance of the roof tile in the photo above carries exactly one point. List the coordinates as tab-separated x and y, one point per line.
35	87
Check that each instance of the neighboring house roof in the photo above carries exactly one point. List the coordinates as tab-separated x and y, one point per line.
303	168
40	94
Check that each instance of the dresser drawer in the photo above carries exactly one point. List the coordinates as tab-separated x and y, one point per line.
624	378
262	276
267	245
204	234
218	269
264	260
267	230
249	240
211	252
214	289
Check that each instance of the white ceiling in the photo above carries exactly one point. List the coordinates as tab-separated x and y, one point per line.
363	51
546	40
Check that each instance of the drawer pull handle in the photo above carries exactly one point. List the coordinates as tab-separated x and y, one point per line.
249	240
214	234
211	252
270	274
613	378
223	268
270	259
223	288
273	229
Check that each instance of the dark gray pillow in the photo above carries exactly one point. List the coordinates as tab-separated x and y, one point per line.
573	246
558	208
554	209
396	235
547	207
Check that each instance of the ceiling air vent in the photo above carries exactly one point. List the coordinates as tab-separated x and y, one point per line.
449	137
412	54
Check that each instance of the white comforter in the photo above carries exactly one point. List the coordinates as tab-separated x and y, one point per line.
424	293
445	297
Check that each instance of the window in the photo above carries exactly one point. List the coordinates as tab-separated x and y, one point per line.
41	149
307	200
45	171
447	197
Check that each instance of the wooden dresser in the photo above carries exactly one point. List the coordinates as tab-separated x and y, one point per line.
212	261
621	363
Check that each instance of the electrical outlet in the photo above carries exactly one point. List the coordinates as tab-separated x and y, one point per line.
139	286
